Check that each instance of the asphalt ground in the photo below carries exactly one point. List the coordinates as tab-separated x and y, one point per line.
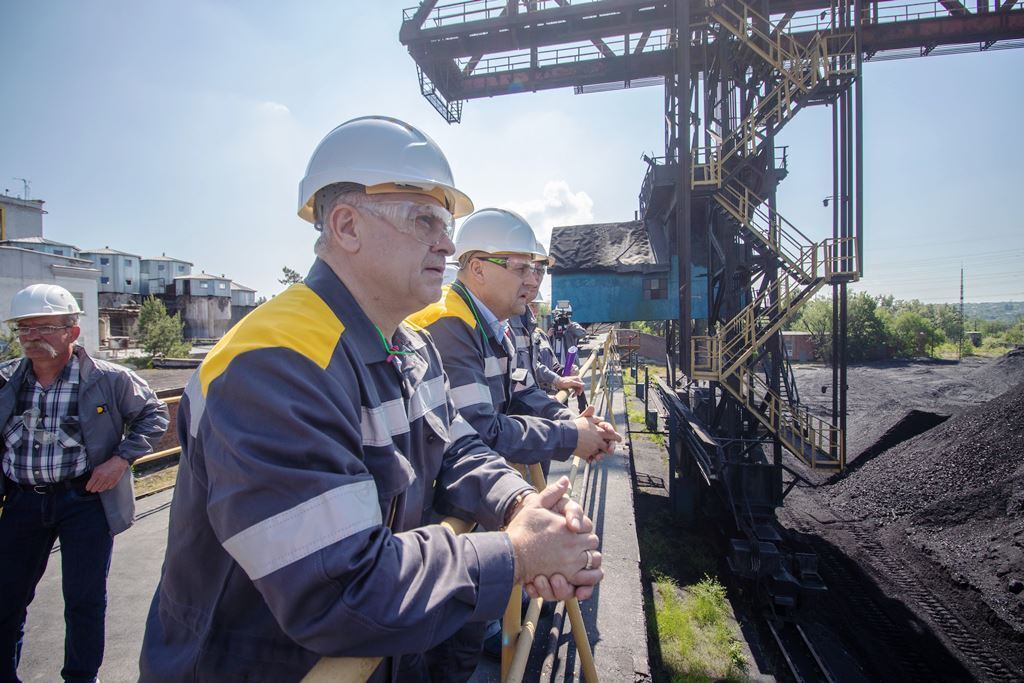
614	616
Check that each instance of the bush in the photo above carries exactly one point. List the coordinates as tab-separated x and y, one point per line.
160	333
9	346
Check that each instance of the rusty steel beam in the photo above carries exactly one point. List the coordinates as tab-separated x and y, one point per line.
971	28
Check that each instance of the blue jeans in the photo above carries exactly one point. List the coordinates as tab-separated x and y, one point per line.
29	525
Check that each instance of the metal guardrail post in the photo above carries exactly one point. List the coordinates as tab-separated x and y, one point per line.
647	389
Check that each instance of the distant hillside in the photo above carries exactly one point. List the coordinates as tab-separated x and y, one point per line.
1005	311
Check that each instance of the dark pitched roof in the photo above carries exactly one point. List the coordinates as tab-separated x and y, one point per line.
616	247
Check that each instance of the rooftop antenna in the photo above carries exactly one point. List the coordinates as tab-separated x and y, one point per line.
26	184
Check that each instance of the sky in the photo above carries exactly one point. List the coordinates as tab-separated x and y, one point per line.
184	126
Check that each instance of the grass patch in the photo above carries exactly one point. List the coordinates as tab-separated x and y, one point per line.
695	633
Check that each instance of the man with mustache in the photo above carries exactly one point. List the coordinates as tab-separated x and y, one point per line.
319	438
71	427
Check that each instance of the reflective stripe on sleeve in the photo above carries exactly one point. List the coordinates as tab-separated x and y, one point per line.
471	395
196	404
311	526
383	422
428	396
495	367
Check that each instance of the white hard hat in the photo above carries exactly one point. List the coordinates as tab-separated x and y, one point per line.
451	271
495	231
39	300
385	155
542	254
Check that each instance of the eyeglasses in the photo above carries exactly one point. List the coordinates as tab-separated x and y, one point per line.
24	331
520	269
428	224
35	422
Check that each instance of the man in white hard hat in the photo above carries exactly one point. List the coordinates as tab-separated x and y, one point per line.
498	276
492	382
318	435
531	342
70	427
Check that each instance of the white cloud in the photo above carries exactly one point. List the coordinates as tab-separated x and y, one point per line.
274	108
559	205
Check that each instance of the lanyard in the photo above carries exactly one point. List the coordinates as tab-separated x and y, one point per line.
390	349
472	307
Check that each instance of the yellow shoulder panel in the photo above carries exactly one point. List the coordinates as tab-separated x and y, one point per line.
296	319
451	305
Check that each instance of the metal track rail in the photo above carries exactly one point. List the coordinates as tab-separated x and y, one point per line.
802	658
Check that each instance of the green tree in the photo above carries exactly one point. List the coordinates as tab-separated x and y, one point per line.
914	334
291	277
866	334
161	334
816	318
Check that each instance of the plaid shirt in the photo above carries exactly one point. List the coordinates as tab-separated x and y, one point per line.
42	440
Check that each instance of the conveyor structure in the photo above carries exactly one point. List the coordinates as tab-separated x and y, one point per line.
734	72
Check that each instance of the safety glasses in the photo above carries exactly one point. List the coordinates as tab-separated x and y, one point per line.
521	268
428	224
43	330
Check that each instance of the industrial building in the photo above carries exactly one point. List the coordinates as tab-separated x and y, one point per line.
26	257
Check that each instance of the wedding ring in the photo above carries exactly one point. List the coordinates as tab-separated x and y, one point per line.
590	561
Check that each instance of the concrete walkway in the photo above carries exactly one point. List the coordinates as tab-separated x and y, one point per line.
614	616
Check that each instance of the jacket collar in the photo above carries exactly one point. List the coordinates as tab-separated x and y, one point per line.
360	331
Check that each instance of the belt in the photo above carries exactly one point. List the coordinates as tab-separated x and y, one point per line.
77	483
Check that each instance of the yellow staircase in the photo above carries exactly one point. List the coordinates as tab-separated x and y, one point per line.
804	71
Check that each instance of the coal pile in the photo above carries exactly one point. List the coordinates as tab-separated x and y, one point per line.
957	491
1001	374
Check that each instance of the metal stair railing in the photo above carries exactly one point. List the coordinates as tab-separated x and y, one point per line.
817	442
715	356
798	252
799	63
803	69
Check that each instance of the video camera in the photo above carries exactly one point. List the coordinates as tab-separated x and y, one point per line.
561	316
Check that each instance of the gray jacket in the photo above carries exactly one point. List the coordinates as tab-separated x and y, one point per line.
119	414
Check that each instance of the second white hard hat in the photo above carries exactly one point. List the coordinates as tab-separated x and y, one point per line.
39	300
385	155
542	254
495	231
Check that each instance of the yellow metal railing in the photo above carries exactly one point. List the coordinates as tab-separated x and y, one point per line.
802	69
797	62
817	442
715	356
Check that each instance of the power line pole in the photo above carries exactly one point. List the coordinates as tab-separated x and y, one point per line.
960	344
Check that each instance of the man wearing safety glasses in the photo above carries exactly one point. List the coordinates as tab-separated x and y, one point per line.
492	384
70	427
499	273
319	438
532	345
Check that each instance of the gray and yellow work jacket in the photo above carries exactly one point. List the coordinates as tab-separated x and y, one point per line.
311	458
497	397
118	414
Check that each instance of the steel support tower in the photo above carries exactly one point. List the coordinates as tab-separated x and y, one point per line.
734	73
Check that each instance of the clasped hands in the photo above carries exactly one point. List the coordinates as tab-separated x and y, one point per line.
595	437
555	547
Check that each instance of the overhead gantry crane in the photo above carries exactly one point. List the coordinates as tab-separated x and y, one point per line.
735	72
